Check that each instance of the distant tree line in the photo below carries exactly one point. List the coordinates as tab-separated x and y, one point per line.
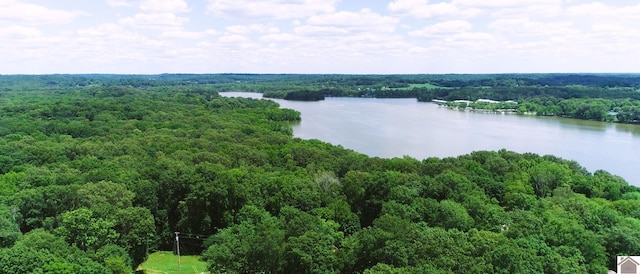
580	102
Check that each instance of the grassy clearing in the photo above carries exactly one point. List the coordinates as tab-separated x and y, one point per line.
425	85
164	262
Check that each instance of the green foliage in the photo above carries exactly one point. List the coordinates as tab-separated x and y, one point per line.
105	197
255	244
453	215
43	240
42	252
117	265
136	229
20	259
304	96
9	229
81	229
95	176
115	258
10	182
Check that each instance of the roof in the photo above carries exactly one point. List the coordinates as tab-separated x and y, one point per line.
627	259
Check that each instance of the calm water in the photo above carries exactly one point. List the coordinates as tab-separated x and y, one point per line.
398	127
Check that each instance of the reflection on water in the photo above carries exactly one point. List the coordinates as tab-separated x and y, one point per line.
579	124
397	127
632	129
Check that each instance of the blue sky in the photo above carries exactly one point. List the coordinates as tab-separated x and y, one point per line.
318	36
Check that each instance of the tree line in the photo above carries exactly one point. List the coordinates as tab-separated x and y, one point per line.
580	102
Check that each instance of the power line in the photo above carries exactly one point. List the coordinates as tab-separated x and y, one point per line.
189	242
194	236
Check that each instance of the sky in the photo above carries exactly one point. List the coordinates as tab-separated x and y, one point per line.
319	36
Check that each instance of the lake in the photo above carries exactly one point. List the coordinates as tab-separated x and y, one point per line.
397	127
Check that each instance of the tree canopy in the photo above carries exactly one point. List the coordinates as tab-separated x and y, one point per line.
95	173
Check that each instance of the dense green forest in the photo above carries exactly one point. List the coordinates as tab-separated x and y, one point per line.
97	171
600	97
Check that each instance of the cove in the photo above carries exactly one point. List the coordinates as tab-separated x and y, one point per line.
397	127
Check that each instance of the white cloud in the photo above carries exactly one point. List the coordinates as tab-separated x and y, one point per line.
157	6
406	5
444	28
606	28
503	3
244	29
471	36
161	21
184	34
533	11
599	11
233	38
100	31
527	27
307	36
335	27
307	30
100	48
235	43
279	37
15	11
108	34
173	6
617	30
270	9
363	21
121	3
19	32
422	9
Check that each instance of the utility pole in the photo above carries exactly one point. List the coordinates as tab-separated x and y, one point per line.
178	249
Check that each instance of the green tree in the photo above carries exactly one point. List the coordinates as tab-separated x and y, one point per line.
546	176
9	229
82	229
622	240
115	258
255	244
21	259
311	252
453	215
60	268
104	197
136	229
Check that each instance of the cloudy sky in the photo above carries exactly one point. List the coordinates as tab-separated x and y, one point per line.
319	36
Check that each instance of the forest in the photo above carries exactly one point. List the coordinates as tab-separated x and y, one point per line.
98	171
599	97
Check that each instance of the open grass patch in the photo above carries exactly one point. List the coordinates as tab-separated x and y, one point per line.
164	262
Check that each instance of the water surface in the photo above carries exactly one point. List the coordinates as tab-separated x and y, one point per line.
397	127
